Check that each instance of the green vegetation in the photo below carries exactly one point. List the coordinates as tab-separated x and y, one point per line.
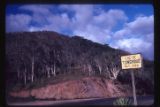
122	102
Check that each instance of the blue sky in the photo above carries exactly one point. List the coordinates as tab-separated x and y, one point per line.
127	27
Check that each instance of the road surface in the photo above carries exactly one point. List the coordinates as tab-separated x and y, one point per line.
141	100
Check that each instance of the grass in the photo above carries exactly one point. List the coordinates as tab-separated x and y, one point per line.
122	102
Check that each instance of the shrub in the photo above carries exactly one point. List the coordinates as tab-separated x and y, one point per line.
122	101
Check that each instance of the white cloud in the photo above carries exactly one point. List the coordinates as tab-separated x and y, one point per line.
83	23
136	36
94	33
135	45
18	22
39	13
110	18
142	25
55	23
39	9
94	27
82	16
121	33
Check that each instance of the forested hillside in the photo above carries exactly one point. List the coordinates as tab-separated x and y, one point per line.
34	57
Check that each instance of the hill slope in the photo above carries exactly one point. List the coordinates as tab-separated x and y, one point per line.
36	58
92	87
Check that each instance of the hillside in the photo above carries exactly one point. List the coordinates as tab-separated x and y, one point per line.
35	59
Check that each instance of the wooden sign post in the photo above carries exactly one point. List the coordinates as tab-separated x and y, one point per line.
132	62
134	89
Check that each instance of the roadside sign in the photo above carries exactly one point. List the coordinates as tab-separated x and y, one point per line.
131	61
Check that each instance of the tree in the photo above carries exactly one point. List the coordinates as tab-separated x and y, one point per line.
113	71
32	55
99	63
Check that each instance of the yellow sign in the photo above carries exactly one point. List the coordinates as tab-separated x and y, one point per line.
131	61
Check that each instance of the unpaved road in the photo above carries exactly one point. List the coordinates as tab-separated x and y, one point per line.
142	100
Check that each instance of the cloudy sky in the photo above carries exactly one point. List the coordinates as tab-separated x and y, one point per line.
127	27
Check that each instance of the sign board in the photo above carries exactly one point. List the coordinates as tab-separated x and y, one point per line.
131	61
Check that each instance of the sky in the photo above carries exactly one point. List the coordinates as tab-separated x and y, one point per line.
127	27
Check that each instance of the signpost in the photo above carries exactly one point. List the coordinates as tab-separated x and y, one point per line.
132	62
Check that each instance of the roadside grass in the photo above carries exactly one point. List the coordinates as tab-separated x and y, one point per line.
122	102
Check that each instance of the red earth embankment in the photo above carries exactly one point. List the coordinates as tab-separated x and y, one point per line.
89	87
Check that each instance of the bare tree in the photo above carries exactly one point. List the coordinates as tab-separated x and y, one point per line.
23	63
98	63
48	71
89	69
25	76
33	57
32	73
113	71
54	66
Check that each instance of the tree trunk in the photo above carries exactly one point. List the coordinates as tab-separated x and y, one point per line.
84	69
18	75
100	69
25	77
52	73
89	70
32	74
48	71
54	69
54	64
